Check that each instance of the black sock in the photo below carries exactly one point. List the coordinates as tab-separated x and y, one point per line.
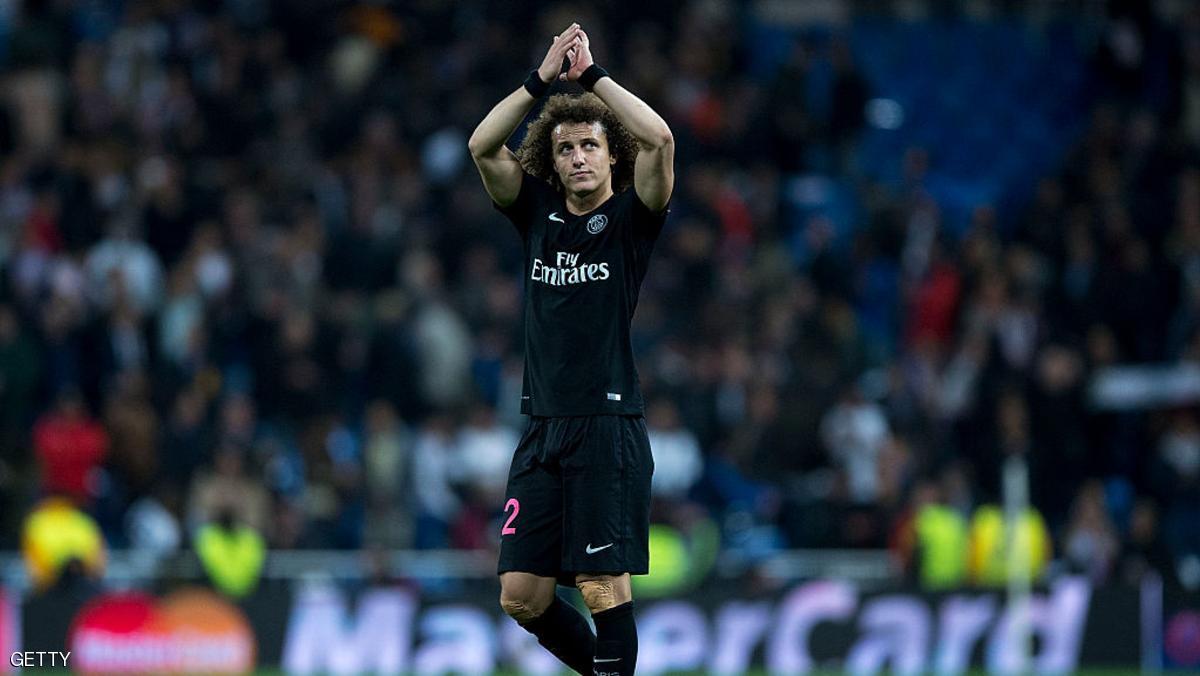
565	633
616	641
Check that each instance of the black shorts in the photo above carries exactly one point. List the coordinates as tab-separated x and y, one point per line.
578	498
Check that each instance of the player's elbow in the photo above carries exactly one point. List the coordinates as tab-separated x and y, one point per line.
663	138
479	146
475	146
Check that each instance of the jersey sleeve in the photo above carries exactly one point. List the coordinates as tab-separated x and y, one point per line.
647	224
521	211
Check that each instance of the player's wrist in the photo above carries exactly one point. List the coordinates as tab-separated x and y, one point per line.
591	75
535	85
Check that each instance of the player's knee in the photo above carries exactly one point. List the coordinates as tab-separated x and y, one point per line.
521	608
599	591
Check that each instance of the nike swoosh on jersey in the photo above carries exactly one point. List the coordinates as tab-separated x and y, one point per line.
554	217
592	550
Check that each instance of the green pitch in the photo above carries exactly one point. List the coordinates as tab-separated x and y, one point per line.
1082	672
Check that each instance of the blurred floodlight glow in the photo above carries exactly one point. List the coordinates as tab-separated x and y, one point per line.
885	113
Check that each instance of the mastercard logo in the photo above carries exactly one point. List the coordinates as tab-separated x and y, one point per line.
188	631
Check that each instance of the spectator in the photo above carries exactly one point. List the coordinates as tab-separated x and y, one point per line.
232	554
1143	551
133	431
440	335
684	556
855	431
70	447
58	538
20	372
151	527
227	486
485	451
122	268
847	114
677	460
932	540
992	560
435	473
1090	544
188	437
1176	474
387	452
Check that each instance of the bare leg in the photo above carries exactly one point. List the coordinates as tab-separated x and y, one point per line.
525	596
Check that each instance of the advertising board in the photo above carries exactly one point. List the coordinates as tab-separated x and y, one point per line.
325	627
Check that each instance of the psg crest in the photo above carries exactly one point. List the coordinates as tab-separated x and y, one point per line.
596	223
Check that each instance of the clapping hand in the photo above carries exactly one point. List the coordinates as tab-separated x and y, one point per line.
563	45
580	56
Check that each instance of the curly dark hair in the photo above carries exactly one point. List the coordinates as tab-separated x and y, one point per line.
537	155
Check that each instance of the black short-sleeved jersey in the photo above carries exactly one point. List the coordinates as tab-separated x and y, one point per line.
582	278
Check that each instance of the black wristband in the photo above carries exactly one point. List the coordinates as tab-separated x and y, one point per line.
534	84
591	76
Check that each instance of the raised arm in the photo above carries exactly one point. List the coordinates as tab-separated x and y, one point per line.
498	166
654	169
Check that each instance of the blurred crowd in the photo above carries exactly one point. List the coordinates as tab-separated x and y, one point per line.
250	276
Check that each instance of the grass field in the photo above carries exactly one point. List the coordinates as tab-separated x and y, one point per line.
820	672
827	672
977	672
1083	672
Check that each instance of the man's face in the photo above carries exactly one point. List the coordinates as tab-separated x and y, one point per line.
581	156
